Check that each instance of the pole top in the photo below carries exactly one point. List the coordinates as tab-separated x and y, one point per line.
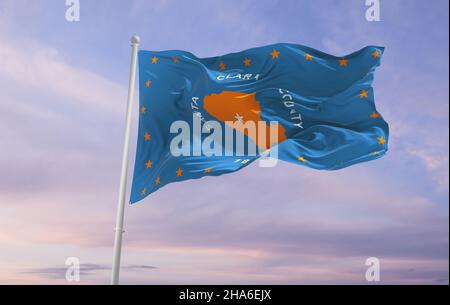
135	39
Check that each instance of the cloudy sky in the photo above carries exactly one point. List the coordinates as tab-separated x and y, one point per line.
62	106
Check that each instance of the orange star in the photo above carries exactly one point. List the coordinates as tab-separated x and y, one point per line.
301	159
222	66
308	57
375	115
154	60
247	62
143	109
148	164
147	83
376	54
381	140
157	180
175	60
275	54
343	62
144	191
208	170
179	172
363	94
147	136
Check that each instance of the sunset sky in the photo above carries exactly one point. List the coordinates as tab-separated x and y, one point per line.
63	88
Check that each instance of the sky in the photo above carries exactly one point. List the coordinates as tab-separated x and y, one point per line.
63	88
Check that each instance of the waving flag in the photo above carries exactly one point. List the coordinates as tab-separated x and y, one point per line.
322	107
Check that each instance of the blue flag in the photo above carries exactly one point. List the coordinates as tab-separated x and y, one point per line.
210	116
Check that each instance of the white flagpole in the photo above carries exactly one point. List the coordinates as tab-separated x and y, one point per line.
123	175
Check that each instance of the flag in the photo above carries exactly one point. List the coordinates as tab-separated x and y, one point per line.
313	108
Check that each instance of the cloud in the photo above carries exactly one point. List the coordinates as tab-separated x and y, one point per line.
348	220
56	118
59	273
142	267
40	68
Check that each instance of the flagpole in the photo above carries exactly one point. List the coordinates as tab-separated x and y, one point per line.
124	169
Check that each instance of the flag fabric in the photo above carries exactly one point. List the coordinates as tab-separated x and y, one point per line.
321	105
